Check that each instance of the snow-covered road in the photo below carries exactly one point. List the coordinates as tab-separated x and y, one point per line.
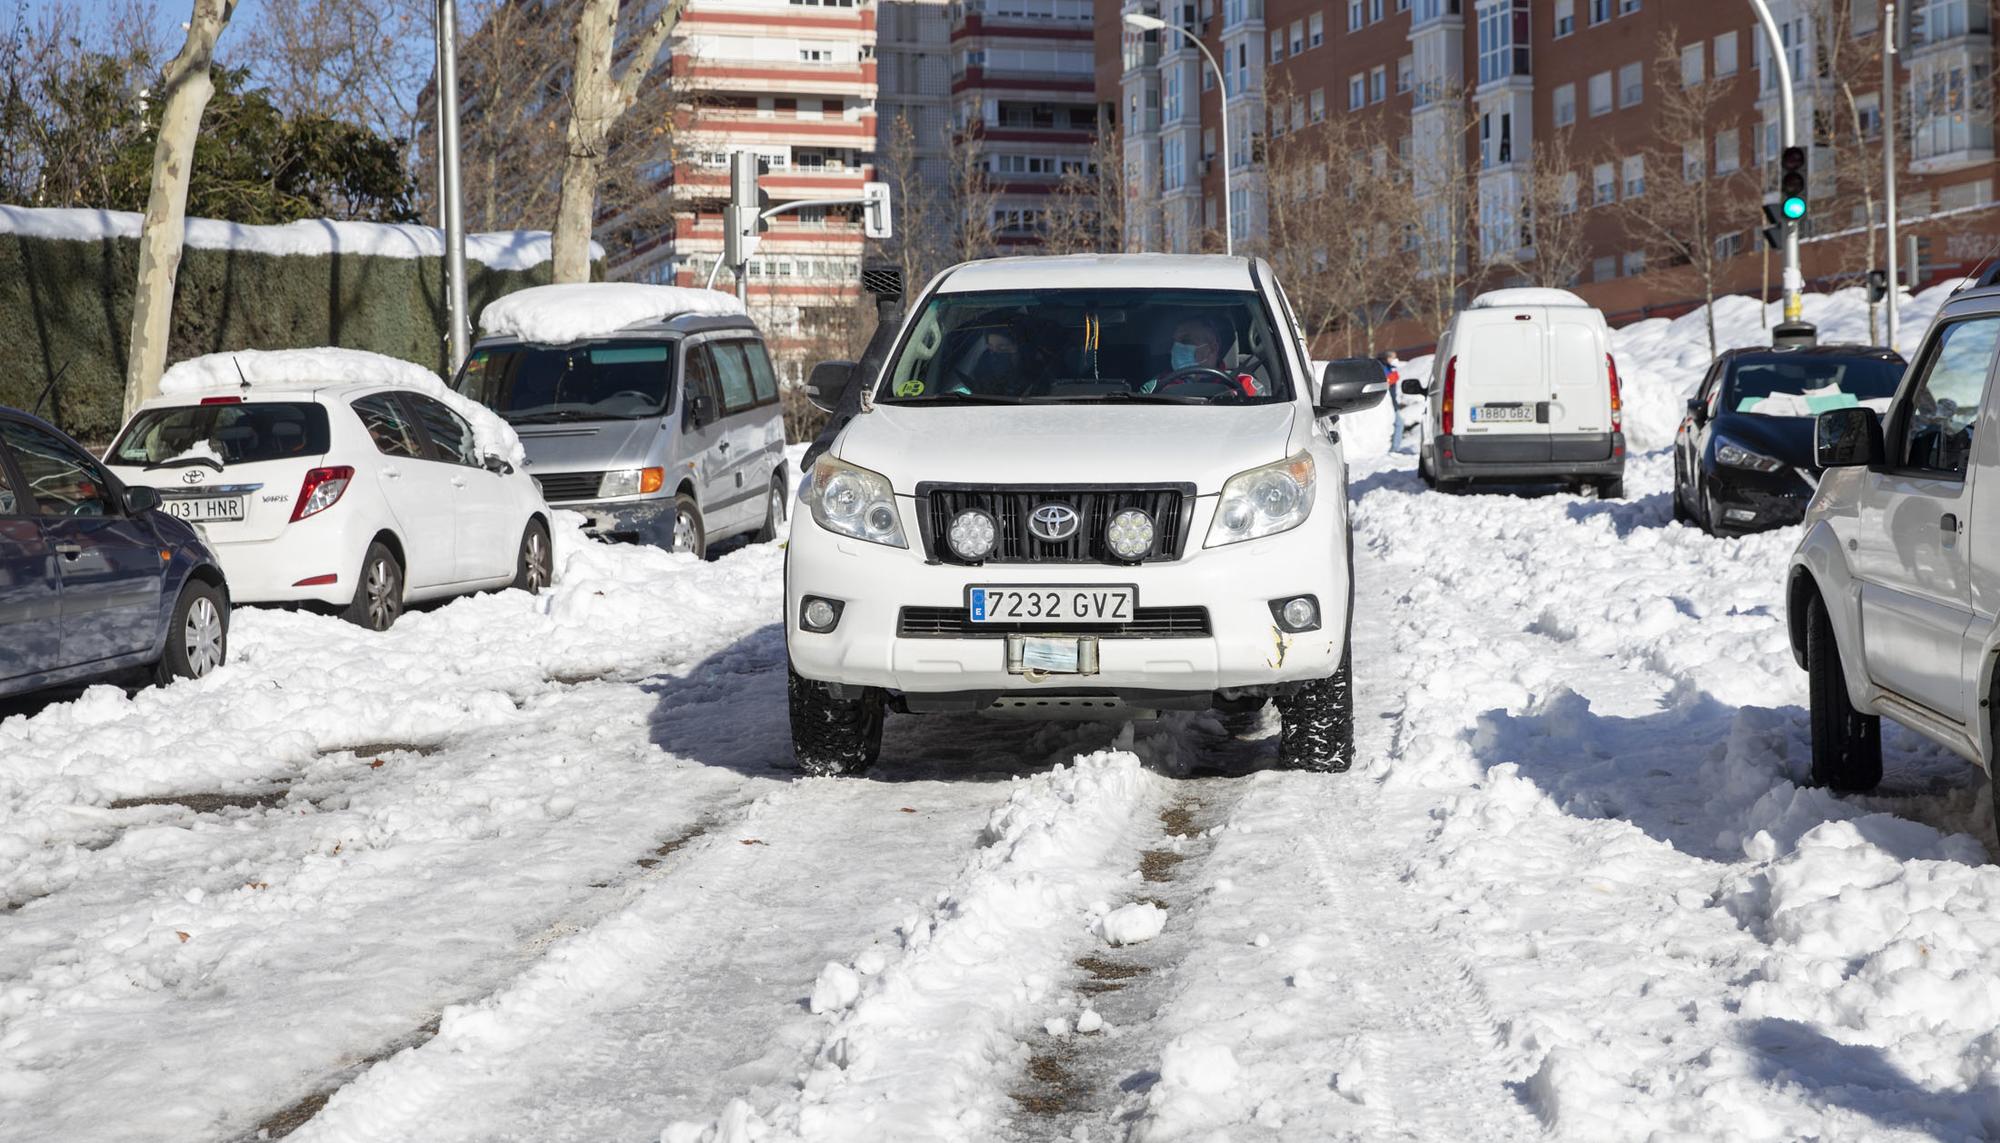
536	869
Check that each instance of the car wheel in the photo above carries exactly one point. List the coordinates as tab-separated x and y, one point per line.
833	736
378	599
1682	514
534	569
774	512
1846	744
1316	725
1711	514
690	534
197	634
1613	489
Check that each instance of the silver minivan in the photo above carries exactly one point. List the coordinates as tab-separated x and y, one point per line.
668	431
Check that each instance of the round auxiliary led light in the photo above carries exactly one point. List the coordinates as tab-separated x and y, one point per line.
820	615
1130	534
972	535
1300	613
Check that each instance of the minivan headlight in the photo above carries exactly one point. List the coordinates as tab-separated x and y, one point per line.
1264	501
853	501
631	482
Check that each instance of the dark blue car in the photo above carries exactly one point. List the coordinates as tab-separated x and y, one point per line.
94	578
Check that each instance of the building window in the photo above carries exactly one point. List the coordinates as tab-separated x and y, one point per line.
1405	74
1728	152
1600	11
1604	269
1605	180
1563	104
1496	139
1353	15
1565	18
1566	194
1725	54
1378	85
1627	7
1600	93
1631	85
1374	11
1318	102
1278	47
825	55
1635	175
1693	164
1691	65
1357	92
1315	29
1298	36
1635	263
1503	39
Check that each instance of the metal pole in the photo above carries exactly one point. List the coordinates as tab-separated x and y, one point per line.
1795	281
453	206
1889	156
1222	87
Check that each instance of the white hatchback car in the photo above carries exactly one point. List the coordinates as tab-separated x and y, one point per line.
339	477
1088	486
1895	585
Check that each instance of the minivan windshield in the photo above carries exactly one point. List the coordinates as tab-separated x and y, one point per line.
602	381
1803	386
1073	346
219	434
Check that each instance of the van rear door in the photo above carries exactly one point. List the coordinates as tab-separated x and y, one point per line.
1580	383
1502	391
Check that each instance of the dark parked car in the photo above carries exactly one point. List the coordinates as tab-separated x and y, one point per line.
94	578
1743	458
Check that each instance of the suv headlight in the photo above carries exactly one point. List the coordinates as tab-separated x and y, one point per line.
853	501
1263	501
1736	456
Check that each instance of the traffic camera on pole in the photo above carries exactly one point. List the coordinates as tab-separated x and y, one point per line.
1792	184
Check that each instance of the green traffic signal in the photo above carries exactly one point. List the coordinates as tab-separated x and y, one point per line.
1795	208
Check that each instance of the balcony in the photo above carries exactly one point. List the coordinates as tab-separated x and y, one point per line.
1942	22
1425	13
1240	15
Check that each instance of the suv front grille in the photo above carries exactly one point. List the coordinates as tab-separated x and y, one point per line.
560	486
1010	506
1146	623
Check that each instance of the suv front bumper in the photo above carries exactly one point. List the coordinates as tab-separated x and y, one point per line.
1243	647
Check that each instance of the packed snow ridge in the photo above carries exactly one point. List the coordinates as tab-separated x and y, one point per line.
558	315
498	250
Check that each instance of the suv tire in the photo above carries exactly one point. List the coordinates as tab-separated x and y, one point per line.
378	598
1612	489
830	736
1846	744
197	635
1316	725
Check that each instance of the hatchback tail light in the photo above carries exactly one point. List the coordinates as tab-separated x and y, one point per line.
1617	404
1450	390
321	490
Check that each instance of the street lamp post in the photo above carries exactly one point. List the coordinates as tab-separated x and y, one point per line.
451	193
1140	22
1795	281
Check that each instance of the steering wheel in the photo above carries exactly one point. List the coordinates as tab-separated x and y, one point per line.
1202	375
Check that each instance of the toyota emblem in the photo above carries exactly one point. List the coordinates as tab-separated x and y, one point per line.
192	476
1054	522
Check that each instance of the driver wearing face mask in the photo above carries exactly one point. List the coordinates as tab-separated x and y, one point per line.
1196	345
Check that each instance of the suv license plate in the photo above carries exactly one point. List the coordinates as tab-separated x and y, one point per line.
1033	603
1517	414
1046	655
198	510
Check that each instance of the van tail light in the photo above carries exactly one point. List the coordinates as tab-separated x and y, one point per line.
1450	390
1617	405
321	490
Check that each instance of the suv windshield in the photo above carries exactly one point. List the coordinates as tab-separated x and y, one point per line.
1807	386
604	381
220	434
1070	346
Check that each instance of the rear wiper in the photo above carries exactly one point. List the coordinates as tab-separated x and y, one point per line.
185	461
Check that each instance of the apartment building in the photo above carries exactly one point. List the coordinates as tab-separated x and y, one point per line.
1467	89
912	63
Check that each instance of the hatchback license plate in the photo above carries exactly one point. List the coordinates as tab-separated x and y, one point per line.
200	510
1516	414
1033	603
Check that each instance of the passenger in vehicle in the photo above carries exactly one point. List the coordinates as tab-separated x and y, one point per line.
992	364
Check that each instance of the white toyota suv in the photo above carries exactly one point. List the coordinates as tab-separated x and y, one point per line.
1089	486
1894	586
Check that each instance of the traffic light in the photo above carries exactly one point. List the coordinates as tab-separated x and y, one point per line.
1792	183
1774	234
1878	286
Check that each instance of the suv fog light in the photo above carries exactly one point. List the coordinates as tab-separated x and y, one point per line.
972	535
1299	613
1130	534
819	615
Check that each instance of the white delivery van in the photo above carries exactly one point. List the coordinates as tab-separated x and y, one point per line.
1523	391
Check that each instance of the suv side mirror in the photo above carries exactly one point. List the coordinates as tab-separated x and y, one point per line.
1413	387
1350	385
1844	438
141	498
827	384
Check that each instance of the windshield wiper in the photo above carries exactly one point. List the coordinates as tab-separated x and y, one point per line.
186	461
955	399
1128	396
543	418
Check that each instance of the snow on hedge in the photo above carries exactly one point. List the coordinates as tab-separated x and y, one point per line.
500	250
556	315
334	366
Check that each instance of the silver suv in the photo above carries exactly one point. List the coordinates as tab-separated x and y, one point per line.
668	431
1894	588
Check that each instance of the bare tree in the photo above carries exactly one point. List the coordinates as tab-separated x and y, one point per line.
1086	211
360	63
974	231
1555	216
188	85
1436	218
1847	64
1336	200
73	89
1688	201
598	99
922	210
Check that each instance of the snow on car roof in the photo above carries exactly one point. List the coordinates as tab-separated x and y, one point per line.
557	315
330	366
1102	271
1526	296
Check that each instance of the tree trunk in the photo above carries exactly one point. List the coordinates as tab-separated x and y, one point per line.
188	86
589	125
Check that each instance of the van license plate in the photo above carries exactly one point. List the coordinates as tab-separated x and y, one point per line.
1517	414
203	510
1031	603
